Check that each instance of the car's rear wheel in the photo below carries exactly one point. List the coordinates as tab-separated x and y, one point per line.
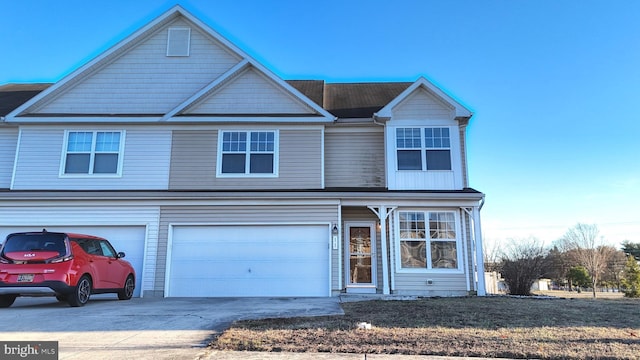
127	291
82	292
7	300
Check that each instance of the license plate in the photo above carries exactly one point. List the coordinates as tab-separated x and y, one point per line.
25	277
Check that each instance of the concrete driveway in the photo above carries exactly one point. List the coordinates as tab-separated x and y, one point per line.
149	328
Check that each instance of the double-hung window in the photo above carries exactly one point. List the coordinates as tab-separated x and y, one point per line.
428	240
93	152
248	153
421	148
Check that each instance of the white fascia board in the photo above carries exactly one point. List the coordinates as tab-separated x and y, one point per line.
87	119
460	110
173	12
251	119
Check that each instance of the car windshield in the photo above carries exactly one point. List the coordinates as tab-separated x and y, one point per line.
35	242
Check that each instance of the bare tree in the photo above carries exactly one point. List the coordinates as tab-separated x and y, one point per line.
523	262
491	255
614	272
589	250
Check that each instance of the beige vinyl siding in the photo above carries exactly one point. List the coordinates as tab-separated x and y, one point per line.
443	284
420	105
354	158
8	142
250	214
250	93
146	81
193	159
194	156
145	161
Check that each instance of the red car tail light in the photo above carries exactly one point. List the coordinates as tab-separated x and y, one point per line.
60	259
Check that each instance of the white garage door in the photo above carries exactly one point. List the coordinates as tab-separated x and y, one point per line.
128	239
234	261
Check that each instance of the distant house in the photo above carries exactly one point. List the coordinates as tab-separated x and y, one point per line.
218	178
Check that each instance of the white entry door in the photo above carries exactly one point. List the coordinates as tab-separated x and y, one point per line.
360	256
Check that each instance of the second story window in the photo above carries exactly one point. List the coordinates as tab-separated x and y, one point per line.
248	153
92	152
423	148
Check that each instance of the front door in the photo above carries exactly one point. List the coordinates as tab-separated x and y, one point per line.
360	257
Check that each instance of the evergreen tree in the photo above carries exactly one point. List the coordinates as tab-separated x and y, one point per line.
632	249
631	279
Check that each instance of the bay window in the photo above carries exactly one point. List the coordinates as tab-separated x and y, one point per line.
428	240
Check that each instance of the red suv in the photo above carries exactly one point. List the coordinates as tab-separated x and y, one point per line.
68	266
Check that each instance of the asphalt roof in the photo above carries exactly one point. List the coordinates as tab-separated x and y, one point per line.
14	95
344	100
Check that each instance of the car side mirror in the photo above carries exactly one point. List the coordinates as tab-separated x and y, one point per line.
120	255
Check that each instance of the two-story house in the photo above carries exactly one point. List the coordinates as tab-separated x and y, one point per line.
218	178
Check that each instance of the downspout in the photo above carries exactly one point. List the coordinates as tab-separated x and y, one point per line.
340	246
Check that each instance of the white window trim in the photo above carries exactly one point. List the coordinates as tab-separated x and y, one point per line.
423	148
65	144
276	155
428	269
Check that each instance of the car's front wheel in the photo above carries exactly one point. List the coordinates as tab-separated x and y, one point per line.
127	291
82	292
7	300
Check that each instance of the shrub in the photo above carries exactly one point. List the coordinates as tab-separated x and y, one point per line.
523	262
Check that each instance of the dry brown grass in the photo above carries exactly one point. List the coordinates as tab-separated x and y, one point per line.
485	327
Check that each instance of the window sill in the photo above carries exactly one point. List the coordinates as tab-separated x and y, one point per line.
245	176
429	271
89	176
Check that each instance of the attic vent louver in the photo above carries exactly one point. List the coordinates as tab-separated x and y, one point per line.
178	41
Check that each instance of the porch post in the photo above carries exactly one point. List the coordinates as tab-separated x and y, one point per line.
383	241
479	252
383	213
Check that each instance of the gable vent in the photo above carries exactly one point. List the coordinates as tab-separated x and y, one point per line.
178	41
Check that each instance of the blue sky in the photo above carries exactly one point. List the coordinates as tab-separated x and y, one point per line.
554	85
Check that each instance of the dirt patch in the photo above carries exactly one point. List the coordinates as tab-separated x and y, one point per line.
485	327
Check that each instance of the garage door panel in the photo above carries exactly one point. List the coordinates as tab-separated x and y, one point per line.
245	288
249	261
127	239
